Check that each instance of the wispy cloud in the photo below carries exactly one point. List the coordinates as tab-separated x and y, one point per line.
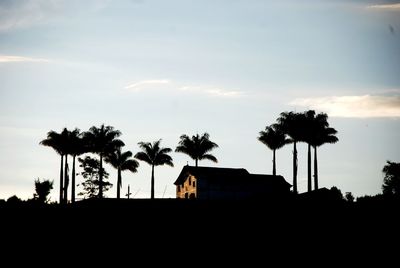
139	85
6	58
23	14
174	87
354	106
29	13
213	91
394	6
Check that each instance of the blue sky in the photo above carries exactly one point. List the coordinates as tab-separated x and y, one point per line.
159	69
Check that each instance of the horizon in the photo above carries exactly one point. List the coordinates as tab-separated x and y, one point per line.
157	70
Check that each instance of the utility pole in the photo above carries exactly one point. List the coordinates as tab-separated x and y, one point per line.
129	192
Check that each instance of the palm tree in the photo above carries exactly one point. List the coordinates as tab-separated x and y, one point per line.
76	147
292	124
57	141
274	138
322	135
121	161
154	155
103	141
311	123
197	147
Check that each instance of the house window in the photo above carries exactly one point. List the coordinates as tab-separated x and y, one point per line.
190	180
194	183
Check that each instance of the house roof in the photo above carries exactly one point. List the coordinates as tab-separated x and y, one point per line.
215	173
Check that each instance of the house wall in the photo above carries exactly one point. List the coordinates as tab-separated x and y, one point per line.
236	189
188	189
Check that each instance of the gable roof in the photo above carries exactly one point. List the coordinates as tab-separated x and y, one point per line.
210	172
215	173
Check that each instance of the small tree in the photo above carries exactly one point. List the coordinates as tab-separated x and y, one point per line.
391	181
349	197
91	176
42	190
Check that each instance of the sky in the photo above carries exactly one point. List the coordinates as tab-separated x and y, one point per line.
159	69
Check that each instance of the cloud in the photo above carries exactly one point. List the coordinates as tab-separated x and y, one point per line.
5	58
393	6
25	13
213	91
139	85
20	14
174	87
354	106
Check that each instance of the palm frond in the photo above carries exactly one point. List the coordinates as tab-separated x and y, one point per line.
143	156
209	157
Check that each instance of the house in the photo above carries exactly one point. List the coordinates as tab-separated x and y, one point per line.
228	183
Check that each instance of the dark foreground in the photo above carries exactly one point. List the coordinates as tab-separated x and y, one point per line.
175	231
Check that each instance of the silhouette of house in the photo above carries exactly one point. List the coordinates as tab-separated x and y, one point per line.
228	183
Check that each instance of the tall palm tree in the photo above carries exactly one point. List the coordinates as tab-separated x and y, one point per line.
291	123
76	147
102	141
197	147
274	138
310	123
322	135
121	161
154	155
57	141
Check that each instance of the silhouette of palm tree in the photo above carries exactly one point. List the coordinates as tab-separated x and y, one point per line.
121	161
76	147
311	122
322	135
197	147
103	141
57	141
274	138
292	123
154	155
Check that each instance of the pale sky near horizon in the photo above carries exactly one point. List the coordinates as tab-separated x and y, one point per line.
160	69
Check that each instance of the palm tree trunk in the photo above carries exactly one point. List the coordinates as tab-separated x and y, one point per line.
196	161
273	163
294	168
315	169
61	179
119	183
309	180
101	177
66	180
73	180
152	181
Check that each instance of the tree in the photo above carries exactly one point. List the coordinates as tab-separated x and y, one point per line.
349	197
292	124
42	190
58	142
103	141
391	180
197	147
274	138
91	174
309	126
76	147
154	155
321	134
121	161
